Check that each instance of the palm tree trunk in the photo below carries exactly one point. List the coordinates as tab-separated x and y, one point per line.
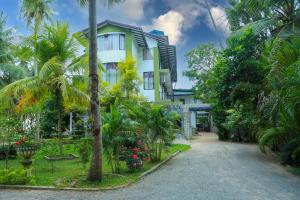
96	171
59	120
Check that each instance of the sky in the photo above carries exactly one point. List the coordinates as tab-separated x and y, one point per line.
186	22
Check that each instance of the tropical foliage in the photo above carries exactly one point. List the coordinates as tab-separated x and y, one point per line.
254	82
9	71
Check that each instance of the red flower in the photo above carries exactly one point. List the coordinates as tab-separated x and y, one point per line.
33	101
135	149
18	142
135	156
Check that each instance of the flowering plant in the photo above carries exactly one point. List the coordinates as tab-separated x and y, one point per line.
24	137
134	155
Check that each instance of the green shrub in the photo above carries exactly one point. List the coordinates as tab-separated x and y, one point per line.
85	149
15	177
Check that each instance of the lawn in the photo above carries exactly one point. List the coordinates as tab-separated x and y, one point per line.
71	173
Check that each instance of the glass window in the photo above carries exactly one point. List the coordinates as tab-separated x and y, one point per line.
122	41
148	80
111	75
147	54
109	42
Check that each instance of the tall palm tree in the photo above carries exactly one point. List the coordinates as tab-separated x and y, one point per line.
35	12
96	169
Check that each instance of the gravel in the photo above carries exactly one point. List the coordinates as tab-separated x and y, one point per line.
211	170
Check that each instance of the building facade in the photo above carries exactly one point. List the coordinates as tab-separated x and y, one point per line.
195	114
155	57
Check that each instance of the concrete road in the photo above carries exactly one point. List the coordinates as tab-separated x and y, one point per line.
212	170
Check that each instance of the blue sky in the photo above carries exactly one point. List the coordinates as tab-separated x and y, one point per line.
186	22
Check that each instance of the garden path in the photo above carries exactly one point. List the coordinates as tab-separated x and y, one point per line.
211	170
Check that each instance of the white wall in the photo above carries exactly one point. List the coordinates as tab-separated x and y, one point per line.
193	119
112	56
144	65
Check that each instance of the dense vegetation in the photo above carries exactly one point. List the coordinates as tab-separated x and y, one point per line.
44	78
253	83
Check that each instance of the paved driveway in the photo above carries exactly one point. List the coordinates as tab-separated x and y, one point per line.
212	170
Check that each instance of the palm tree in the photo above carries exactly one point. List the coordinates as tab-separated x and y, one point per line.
275	17
56	64
96	169
35	11
160	127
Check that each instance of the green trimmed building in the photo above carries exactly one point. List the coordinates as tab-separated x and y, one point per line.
155	57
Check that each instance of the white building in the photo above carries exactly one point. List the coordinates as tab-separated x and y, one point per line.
155	57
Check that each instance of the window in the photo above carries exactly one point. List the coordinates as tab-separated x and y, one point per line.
115	41
147	54
148	80
111	75
122	42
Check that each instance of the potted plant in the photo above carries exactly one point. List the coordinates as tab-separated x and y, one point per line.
26	147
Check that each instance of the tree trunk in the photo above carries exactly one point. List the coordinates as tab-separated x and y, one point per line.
59	120
96	171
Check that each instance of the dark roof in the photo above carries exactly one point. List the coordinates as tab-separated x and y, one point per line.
167	52
183	92
201	107
136	31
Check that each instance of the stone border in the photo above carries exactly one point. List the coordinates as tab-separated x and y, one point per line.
144	174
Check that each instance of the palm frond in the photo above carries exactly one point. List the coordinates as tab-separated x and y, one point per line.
269	136
51	67
258	27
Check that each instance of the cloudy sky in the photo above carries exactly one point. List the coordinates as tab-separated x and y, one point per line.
186	22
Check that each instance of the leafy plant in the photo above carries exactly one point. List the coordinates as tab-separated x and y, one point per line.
159	127
15	177
85	149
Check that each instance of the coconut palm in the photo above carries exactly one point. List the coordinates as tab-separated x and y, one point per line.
266	16
57	65
35	12
96	169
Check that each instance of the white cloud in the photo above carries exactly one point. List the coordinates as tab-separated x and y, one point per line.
220	18
171	23
195	10
134	9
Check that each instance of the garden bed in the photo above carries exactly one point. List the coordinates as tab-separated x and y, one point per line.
71	174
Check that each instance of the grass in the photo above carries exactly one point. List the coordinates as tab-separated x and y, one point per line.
71	173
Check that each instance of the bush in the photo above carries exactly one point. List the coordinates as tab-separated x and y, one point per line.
85	150
15	177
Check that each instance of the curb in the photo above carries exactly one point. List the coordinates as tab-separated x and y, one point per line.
156	167
144	174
